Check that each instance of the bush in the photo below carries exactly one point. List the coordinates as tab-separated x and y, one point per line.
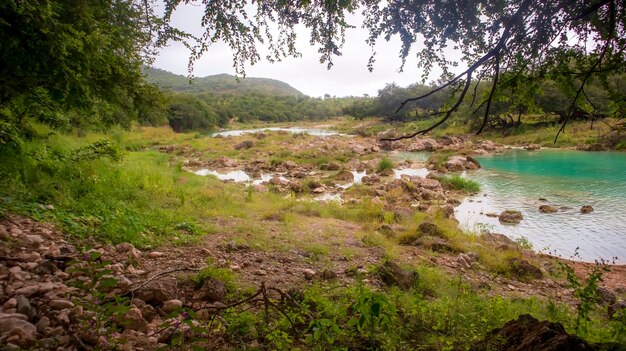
457	182
385	164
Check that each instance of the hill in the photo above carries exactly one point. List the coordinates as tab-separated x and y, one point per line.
219	84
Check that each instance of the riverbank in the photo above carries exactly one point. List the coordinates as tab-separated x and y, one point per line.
429	278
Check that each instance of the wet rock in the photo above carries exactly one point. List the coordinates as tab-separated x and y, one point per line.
17	331
527	333
212	290
586	209
158	291
455	164
532	147
510	216
394	275
524	269
430	229
548	209
246	144
172	305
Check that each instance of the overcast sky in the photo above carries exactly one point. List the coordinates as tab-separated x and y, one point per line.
348	76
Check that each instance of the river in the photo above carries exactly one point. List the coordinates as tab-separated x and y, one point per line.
567	179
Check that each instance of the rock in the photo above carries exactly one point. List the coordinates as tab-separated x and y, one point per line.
23	307
59	304
34	240
42	324
170	306
148	312
394	275
499	240
212	290
510	216
35	289
436	244
9	304
430	144
548	209
344	176
524	270
246	144
370	179
333	166
472	161
430	229
532	147
387	173
18	331
617	311
606	296
416	146
155	254
124	247
158	291
133	320
455	163
586	209
328	274
527	333
309	274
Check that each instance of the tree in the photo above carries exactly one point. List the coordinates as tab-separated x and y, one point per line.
512	45
61	61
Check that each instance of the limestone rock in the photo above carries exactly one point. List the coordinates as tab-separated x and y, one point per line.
212	290
511	216
548	209
392	274
17	331
172	305
157	291
586	209
246	144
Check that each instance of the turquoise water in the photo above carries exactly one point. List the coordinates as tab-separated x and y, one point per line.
568	180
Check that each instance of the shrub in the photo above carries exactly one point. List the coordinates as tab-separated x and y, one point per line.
385	164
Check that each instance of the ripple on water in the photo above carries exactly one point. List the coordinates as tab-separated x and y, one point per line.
568	180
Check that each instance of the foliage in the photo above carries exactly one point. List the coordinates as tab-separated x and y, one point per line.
68	64
385	164
457	182
586	292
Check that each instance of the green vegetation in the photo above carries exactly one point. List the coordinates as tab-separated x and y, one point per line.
457	182
385	164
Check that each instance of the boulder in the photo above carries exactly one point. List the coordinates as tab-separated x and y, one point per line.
499	241
524	270
170	306
133	320
370	179
17	331
586	209
344	176
246	144
430	144
548	209
430	229
394	275
333	166
455	163
527	333
510	216
212	290
158	291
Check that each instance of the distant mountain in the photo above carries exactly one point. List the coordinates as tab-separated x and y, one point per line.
219	84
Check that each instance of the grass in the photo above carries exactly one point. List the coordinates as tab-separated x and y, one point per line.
385	164
457	182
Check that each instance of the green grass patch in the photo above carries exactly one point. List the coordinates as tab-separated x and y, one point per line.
457	182
385	164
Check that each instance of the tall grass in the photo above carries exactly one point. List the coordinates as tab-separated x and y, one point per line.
457	182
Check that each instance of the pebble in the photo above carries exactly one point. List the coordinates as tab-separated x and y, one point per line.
261	272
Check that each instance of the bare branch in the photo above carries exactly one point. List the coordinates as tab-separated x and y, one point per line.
493	90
